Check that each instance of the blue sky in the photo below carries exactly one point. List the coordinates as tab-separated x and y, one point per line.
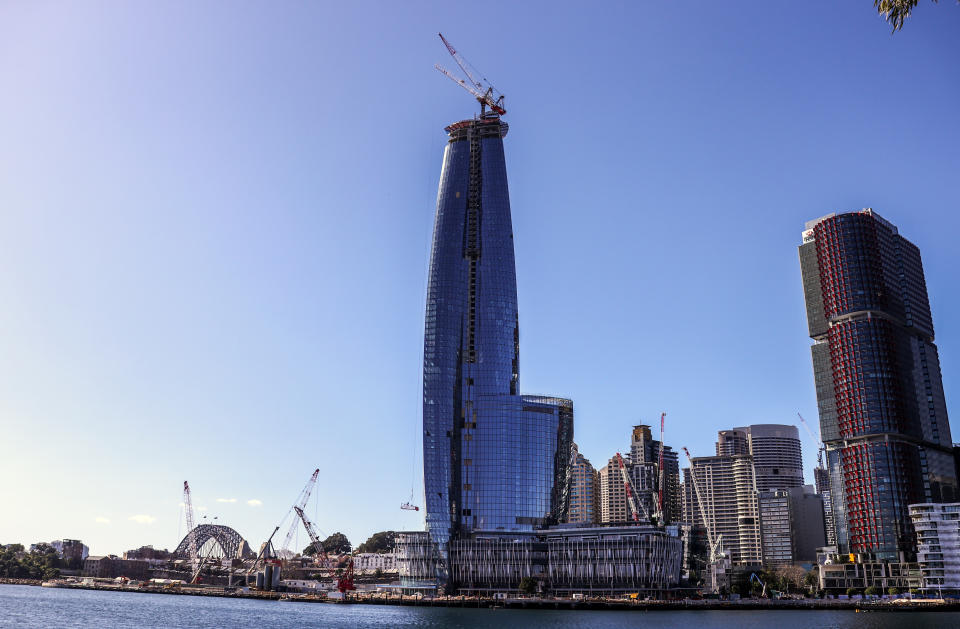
215	223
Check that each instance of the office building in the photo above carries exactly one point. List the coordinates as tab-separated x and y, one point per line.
883	416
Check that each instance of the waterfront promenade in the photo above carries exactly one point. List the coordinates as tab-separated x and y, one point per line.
532	603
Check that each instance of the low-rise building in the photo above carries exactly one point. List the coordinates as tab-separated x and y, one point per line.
861	571
938	545
111	567
147	553
371	562
71	550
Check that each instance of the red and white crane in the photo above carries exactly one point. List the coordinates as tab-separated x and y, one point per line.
345	582
476	84
635	511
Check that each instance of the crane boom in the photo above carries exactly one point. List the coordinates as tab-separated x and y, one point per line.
628	487
815	438
188	512
311	531
480	88
696	489
301	502
463	63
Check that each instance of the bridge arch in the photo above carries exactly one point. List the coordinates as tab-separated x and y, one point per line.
229	541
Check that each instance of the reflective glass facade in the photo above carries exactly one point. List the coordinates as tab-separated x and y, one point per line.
882	410
493	459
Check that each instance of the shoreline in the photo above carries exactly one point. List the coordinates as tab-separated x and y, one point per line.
534	603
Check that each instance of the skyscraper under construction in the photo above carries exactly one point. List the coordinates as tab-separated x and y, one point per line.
494	460
883	417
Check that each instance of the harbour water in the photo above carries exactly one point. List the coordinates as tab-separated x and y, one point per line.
25	606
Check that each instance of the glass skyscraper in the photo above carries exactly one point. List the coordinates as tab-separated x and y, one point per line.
883	417
494	460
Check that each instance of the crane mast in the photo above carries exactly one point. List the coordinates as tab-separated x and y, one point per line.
659	514
188	512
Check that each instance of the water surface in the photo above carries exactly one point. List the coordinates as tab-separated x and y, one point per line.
25	606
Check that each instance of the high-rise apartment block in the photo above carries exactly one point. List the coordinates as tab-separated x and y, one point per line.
938	545
613	495
584	499
726	486
643	467
645	473
883	417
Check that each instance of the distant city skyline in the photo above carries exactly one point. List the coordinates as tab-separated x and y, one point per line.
215	224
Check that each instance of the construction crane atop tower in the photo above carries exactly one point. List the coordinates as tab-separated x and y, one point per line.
475	83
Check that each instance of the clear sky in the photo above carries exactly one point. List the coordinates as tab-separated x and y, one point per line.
215	223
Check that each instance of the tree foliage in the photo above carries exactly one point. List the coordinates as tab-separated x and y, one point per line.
381	542
895	11
42	563
337	544
790	577
528	585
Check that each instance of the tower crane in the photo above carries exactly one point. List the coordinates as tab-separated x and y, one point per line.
815	438
716	554
482	90
191	533
628	487
301	503
659	510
